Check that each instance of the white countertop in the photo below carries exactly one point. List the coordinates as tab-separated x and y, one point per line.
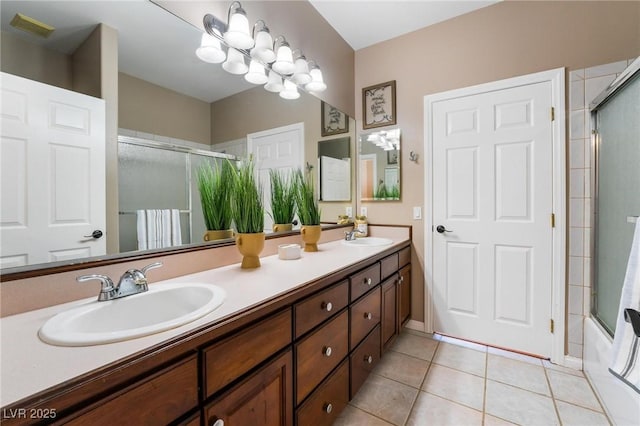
29	365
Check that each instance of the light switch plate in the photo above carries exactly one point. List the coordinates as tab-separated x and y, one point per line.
417	213
349	211
363	211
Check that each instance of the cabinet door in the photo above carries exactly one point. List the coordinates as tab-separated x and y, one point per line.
264	399
389	316
404	295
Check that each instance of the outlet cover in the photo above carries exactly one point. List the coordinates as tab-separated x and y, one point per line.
417	213
363	211
349	211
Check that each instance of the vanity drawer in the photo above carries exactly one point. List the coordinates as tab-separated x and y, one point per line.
364	281
325	405
388	266
364	316
232	357
364	359
319	353
320	307
158	399
404	257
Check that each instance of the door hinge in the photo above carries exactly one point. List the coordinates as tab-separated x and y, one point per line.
553	114
551	325
553	220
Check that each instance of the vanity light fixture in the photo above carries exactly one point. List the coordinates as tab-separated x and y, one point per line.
237	34
290	90
235	62
256	74
317	83
263	49
284	57
275	83
301	73
210	49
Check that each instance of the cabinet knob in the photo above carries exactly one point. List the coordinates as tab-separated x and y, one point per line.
327	306
367	315
401	280
368	359
368	281
218	422
328	408
326	351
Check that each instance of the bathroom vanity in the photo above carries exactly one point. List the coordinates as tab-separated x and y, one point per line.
291	344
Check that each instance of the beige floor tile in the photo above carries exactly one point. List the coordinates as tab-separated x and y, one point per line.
519	406
495	421
352	416
515	355
549	366
432	410
517	373
402	368
461	358
457	386
573	389
416	346
572	415
386	399
460	342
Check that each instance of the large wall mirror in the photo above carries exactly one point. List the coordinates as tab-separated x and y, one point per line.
167	98
379	165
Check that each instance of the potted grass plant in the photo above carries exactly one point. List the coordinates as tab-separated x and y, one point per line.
248	213
215	198
308	211
283	199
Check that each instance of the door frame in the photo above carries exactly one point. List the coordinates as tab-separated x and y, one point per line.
559	244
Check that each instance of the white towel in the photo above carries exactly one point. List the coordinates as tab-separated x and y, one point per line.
158	228
626	345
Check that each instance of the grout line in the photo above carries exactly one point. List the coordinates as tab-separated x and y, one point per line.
553	398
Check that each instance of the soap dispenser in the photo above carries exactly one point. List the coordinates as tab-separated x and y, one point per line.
361	226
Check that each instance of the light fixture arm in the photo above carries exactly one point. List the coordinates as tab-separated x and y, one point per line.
236	7
260	25
212	23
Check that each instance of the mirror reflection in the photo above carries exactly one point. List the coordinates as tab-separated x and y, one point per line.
334	164
379	165
178	110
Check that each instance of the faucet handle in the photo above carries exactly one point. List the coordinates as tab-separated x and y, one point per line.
106	284
149	267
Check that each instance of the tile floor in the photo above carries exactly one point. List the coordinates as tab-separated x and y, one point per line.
434	380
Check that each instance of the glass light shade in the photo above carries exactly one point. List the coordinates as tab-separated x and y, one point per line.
238	34
210	50
290	90
284	60
301	74
275	83
235	62
263	50
317	83
256	74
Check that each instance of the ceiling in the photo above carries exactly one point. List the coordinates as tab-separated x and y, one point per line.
156	46
362	23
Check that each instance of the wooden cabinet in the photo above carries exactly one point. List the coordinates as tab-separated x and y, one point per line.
158	399
315	309
364	315
364	281
364	359
404	295
263	399
325	405
389	311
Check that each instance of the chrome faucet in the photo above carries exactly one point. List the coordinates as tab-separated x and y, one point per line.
131	282
350	235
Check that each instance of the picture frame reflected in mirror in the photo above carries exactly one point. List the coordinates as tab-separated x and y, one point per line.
333	121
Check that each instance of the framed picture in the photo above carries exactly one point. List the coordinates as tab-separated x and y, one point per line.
333	120
379	105
392	157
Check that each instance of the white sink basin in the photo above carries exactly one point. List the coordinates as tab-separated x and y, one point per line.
368	242
163	307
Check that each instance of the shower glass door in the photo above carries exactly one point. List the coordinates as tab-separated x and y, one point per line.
617	123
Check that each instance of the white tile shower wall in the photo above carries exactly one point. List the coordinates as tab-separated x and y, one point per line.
584	85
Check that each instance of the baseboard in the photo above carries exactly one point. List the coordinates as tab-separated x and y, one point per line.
415	325
573	362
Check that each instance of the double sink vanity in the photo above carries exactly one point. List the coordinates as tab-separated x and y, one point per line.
288	343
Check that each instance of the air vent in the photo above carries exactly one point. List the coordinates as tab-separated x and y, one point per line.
30	25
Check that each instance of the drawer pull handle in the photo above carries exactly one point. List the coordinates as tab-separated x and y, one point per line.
368	281
326	351
368	359
327	306
328	408
367	315
218	422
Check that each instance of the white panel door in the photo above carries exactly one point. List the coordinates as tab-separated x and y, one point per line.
492	204
53	173
280	148
335	179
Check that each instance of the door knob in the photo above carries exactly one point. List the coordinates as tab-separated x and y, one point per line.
441	229
95	234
